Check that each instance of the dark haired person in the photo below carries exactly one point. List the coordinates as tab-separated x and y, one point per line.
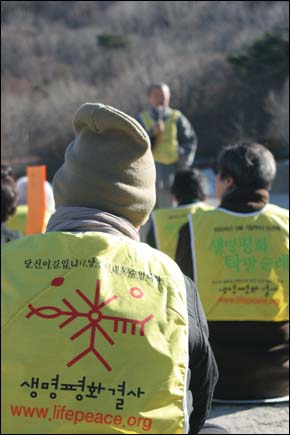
241	266
8	203
101	330
173	140
188	192
188	186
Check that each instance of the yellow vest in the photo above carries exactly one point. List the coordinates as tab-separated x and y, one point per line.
18	221
241	263
166	147
167	223
94	335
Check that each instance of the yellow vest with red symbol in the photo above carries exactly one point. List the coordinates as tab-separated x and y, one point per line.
241	263
94	335
166	146
168	222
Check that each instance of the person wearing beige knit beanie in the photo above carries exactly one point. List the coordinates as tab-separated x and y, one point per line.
109	166
97	314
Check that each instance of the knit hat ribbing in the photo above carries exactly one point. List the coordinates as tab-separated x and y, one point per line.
109	165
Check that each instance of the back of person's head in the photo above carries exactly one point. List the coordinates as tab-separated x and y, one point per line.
22	185
109	166
8	193
251	165
188	186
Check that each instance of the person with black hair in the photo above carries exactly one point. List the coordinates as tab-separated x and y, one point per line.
188	186
8	203
188	193
239	256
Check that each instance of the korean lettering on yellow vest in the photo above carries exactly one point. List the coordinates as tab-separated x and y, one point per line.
82	331
168	222
241	263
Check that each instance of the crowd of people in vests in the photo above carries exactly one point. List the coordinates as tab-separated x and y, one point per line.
139	337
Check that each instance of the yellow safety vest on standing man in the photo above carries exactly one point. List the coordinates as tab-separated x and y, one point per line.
166	146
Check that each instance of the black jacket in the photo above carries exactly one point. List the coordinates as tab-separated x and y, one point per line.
203	373
8	235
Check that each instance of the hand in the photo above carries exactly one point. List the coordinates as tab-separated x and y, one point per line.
158	128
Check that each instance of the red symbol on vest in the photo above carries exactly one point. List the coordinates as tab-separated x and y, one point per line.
94	317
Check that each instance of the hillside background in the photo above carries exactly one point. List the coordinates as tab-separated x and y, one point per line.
227	63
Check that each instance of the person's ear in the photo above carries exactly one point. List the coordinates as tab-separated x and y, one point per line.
230	182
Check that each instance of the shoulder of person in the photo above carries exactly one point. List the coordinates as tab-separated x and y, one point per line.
176	113
8	235
278	210
155	255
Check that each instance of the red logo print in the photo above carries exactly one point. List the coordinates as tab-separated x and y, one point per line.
94	317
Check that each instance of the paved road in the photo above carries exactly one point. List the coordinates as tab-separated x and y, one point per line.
252	419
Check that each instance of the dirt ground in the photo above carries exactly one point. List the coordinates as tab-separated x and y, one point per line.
252	419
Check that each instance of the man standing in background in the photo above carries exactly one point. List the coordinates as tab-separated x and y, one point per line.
172	137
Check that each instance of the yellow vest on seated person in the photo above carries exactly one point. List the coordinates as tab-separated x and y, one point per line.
94	335
166	146
167	223
18	221
241	263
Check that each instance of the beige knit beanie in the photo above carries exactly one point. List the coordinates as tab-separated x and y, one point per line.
109	166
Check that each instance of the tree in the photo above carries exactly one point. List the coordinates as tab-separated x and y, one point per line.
277	105
260	68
